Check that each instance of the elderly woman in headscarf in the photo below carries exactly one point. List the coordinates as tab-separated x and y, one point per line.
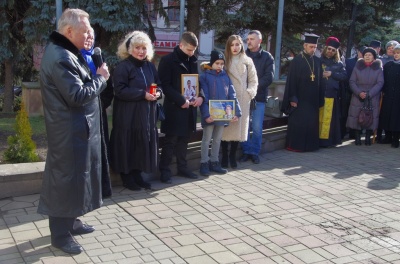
366	83
389	47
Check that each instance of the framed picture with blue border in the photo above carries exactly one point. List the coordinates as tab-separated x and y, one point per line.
222	109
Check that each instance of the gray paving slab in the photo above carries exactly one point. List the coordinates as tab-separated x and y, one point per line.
336	205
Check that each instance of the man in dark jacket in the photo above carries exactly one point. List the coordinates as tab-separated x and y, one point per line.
72	177
264	63
180	113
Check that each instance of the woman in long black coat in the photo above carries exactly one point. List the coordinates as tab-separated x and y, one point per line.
134	136
389	119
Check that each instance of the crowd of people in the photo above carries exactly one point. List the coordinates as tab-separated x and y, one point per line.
327	97
77	88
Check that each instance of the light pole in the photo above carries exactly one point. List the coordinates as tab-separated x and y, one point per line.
181	18
58	10
278	40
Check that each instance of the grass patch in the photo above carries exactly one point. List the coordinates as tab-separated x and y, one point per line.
7	125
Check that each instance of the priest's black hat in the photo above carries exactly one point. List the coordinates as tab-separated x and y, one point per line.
311	38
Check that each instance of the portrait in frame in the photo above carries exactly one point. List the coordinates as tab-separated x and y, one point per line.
222	109
190	86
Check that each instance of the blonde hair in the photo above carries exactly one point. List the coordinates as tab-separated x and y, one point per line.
336	57
135	38
71	17
228	52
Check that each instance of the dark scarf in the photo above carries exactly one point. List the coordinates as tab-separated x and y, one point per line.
183	57
63	42
138	63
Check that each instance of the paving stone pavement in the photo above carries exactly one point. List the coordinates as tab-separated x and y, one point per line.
336	205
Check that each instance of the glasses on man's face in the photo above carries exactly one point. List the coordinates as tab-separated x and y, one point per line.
331	49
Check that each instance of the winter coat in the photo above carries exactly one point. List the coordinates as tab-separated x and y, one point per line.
244	78
265	67
178	121
389	118
216	86
134	136
332	84
72	177
365	79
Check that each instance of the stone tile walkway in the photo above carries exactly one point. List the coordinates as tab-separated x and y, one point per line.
337	205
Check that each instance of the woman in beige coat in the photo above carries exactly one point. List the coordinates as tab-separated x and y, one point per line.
243	75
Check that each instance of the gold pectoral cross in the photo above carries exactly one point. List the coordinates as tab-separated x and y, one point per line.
312	76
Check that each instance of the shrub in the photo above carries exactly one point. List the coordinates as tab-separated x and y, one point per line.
21	146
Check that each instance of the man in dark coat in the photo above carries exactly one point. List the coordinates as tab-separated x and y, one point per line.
303	97
180	114
72	177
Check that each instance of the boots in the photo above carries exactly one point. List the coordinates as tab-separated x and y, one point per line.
139	180
224	159
204	169
357	135
368	134
216	167
232	154
395	139
129	182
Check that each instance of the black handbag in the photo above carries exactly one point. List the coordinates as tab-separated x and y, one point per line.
160	112
366	117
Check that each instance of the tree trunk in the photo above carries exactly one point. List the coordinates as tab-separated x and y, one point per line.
8	87
193	17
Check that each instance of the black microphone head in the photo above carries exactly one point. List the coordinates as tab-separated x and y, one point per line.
97	51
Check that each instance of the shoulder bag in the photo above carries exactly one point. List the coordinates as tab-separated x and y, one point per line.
366	117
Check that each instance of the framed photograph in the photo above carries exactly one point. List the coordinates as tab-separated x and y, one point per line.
190	86
222	109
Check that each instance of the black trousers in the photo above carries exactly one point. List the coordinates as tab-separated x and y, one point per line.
174	145
60	229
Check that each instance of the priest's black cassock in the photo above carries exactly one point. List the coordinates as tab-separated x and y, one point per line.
304	86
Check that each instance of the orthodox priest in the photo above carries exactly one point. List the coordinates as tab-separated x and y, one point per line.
303	97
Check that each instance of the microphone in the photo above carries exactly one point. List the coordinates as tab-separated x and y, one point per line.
97	58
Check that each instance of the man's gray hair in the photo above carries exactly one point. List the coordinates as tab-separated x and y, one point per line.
71	17
256	32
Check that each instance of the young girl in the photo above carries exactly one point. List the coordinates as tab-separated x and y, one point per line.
216	85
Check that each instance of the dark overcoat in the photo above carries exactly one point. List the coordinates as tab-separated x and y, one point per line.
72	177
389	118
365	79
134	136
178	121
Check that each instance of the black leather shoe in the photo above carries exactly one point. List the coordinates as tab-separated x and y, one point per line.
71	247
255	159
244	158
167	181
141	183
188	174
132	186
166	177
83	229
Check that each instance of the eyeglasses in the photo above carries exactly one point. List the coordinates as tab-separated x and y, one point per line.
331	49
